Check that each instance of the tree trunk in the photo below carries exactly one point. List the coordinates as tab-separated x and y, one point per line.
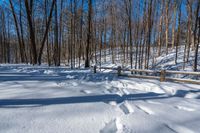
178	34
29	7
167	24
195	30
87	61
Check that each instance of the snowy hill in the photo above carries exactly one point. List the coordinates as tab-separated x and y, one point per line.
164	61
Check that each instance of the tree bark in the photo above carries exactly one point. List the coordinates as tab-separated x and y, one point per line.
87	61
195	30
29	7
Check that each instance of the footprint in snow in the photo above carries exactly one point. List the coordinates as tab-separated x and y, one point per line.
125	91
126	108
153	102
179	129
145	109
113	103
185	108
113	126
66	84
70	77
115	90
74	84
86	91
192	95
60	84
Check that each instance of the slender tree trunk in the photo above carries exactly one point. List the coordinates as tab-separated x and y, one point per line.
189	29
130	33
149	32
87	61
22	34
8	42
81	34
144	36
178	34
71	35
61	31
160	29
105	39
198	42
56	47
29	7
167	24
137	43
174	25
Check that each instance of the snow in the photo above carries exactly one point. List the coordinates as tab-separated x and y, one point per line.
60	100
114	126
163	62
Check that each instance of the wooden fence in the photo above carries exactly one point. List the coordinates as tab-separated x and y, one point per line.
161	75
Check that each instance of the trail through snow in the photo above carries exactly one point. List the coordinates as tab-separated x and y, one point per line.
49	100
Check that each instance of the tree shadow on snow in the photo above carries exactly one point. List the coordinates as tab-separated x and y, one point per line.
15	103
59	76
79	99
106	98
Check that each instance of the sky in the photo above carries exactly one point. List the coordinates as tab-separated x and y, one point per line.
183	7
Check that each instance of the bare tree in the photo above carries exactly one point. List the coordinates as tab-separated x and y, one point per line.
46	32
20	41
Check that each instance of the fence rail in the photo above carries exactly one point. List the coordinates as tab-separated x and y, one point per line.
161	75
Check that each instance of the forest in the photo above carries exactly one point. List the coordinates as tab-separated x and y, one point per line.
99	66
75	32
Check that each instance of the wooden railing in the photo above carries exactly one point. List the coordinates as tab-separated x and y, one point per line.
161	75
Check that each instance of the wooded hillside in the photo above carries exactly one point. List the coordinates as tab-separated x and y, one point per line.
75	31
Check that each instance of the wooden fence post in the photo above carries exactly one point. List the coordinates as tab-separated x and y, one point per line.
162	75
119	69
95	69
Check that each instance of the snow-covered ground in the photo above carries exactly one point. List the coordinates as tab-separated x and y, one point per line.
60	100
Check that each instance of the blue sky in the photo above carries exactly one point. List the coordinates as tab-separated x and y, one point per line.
183	7
1	1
